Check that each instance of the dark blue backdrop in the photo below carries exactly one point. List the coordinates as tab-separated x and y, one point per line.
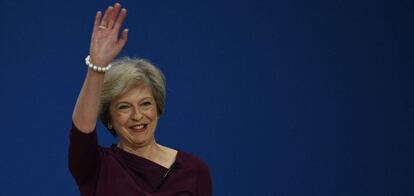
286	97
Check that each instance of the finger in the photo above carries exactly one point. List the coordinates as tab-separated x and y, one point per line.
120	20
97	20
124	38
114	15
104	21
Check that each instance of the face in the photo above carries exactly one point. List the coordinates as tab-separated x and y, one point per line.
134	117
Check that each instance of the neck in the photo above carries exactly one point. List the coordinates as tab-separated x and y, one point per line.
148	151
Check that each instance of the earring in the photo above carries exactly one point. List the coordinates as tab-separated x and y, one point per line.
109	126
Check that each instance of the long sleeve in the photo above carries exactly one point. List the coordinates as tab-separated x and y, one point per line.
83	156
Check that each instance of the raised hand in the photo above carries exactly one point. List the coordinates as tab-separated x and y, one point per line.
105	43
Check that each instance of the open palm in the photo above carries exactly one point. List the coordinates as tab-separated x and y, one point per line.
106	43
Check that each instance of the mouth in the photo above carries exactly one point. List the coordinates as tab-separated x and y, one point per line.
138	128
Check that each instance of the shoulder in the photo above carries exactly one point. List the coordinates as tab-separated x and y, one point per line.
191	161
201	172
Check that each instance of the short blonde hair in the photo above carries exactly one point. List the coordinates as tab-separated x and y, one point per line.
125	74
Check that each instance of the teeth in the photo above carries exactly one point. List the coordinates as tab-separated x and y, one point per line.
138	127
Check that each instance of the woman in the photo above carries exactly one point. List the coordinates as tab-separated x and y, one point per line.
129	98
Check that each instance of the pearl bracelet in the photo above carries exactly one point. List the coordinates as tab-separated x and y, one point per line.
97	67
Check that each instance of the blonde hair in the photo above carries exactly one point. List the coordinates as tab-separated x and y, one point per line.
125	74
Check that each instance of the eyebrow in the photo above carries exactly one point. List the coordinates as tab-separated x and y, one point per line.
126	102
146	98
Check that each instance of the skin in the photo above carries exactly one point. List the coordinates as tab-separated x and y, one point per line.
105	45
135	109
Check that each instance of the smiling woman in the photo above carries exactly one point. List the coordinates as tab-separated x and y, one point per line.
128	96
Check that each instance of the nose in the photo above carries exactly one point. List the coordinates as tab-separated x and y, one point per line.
136	114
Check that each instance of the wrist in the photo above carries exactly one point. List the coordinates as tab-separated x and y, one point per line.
97	67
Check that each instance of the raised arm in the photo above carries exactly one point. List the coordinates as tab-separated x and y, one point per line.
105	46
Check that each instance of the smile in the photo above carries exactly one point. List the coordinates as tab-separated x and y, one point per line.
138	128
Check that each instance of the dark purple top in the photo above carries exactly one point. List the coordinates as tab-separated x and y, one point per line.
115	172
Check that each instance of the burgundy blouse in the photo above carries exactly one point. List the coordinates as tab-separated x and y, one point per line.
115	172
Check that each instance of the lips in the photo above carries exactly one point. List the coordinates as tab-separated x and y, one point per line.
138	128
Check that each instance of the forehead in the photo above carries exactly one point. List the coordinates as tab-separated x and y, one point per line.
136	93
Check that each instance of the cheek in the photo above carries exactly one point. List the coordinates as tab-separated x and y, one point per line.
120	118
152	114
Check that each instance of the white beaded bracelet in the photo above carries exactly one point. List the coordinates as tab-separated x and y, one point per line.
96	67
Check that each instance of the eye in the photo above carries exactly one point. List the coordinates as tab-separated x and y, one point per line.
123	107
147	103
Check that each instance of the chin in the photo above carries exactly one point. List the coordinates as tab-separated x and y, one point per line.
141	140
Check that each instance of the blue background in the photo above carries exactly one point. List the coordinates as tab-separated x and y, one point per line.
288	97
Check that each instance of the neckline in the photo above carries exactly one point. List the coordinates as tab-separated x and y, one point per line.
141	162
